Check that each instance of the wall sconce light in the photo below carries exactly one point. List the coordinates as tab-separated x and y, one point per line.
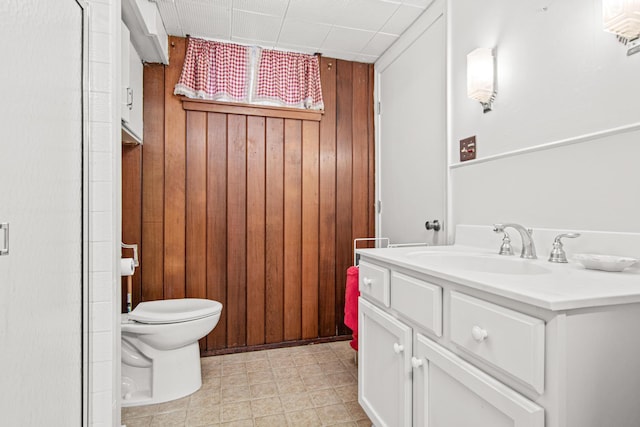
481	77
622	18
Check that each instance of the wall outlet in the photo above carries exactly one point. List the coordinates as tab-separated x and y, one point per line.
468	148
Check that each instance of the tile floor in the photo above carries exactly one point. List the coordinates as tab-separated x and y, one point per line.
313	385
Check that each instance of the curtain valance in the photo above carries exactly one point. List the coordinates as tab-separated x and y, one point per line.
215	71
234	73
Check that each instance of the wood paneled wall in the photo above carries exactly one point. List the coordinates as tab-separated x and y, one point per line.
131	213
255	210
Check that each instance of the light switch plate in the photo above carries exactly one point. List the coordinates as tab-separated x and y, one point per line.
468	148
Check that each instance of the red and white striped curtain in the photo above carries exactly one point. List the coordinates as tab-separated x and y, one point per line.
234	73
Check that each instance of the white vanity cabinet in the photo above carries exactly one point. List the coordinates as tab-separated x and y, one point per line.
438	352
407	379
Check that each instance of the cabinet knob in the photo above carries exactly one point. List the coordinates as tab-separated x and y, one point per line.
398	348
367	281
479	334
416	363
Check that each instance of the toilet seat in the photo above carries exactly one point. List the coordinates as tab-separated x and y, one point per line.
174	310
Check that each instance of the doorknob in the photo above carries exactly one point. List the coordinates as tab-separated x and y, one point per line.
4	250
433	225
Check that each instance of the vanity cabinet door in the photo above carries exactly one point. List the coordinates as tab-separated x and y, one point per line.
449	392
384	367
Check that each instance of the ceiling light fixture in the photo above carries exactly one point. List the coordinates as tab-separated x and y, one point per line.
622	18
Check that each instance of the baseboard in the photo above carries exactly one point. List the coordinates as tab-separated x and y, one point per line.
320	340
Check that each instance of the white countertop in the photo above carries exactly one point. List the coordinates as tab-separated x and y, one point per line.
563	287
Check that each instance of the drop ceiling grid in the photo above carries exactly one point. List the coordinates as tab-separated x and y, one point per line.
358	30
170	18
303	34
401	19
255	26
347	39
365	14
267	7
204	19
378	44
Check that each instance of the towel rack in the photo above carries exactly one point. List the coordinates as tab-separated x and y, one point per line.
406	245
384	240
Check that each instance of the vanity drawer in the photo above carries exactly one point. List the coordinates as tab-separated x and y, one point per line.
507	339
374	282
417	300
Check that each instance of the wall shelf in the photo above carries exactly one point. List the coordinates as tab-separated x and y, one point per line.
190	104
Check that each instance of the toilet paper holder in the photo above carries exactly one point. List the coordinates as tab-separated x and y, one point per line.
135	252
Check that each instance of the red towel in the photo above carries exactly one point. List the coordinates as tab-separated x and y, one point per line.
351	304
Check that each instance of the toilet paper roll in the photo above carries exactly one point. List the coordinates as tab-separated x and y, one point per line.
126	267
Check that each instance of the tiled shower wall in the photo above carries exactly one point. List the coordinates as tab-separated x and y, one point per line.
104	211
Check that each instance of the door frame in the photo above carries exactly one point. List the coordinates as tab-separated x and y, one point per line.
434	9
84	301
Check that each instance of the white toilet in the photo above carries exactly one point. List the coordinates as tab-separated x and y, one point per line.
160	351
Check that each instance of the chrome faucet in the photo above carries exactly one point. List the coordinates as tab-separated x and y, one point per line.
528	248
505	248
557	253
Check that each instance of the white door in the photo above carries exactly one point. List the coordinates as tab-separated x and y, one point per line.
412	143
384	370
449	392
41	176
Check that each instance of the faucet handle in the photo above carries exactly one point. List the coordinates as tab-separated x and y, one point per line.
557	252
505	248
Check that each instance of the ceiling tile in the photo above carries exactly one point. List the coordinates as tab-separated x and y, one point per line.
339	54
402	19
379	43
303	33
296	48
420	3
346	39
254	42
213	3
256	26
270	7
367	59
169	15
201	20
365	14
324	11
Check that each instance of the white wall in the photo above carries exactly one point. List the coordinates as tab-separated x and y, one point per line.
104	212
560	78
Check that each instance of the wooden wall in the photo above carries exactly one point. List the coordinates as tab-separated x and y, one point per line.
131	213
256	208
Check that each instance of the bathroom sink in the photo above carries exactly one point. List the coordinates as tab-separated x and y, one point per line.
478	262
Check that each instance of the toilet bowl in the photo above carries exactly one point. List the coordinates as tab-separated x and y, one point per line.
160	351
